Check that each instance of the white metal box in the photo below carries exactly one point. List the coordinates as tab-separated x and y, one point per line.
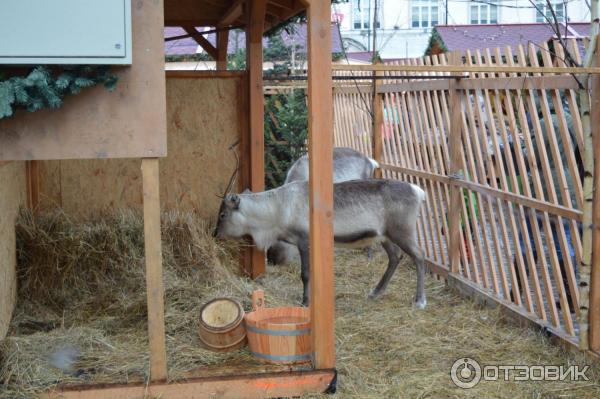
65	32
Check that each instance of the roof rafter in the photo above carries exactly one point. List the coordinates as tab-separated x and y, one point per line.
233	13
201	40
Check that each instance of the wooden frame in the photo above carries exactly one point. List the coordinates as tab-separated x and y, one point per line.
448	130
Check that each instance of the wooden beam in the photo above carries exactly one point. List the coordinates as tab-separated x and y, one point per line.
558	82
594	292
320	149
256	10
376	133
254	386
201	40
542	206
465	68
233	13
222	43
32	169
154	274
190	21
202	74
455	168
436	268
244	151
275	12
288	5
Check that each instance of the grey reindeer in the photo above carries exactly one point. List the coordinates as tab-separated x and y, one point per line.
348	164
366	212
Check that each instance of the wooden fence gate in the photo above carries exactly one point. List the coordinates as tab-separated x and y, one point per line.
501	157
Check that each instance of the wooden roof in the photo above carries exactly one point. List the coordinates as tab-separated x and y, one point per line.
226	12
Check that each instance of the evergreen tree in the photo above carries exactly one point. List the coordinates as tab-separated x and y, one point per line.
286	131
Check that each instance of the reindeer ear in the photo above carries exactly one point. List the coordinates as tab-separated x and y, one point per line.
234	200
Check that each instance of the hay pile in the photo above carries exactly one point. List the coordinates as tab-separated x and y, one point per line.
387	349
82	289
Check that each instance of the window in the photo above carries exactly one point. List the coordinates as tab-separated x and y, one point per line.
543	13
425	13
362	13
484	13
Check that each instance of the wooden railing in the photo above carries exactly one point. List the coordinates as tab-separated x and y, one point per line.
496	140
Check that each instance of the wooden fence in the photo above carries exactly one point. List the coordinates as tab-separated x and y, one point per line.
500	155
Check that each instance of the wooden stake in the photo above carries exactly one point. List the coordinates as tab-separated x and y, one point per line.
320	147
256	11
154	275
222	42
454	169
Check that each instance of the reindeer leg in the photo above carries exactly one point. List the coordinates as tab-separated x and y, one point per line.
304	271
408	243
393	259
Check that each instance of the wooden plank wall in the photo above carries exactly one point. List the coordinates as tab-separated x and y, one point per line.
12	197
514	142
203	121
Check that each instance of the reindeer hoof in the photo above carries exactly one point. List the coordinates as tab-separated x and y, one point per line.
421	303
374	295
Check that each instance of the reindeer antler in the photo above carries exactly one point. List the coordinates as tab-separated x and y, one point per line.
233	177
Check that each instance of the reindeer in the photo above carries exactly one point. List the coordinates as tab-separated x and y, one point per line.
348	164
367	211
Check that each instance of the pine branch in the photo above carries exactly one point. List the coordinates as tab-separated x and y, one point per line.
41	89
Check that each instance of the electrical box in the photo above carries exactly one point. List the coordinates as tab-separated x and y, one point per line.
65	32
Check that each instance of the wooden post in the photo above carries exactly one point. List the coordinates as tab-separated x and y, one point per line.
590	199
32	169
244	151
377	139
222	42
455	168
154	275
256	11
594	296
320	149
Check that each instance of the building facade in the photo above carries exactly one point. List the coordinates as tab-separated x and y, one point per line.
404	26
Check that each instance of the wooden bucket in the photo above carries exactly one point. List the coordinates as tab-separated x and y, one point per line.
278	335
221	327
